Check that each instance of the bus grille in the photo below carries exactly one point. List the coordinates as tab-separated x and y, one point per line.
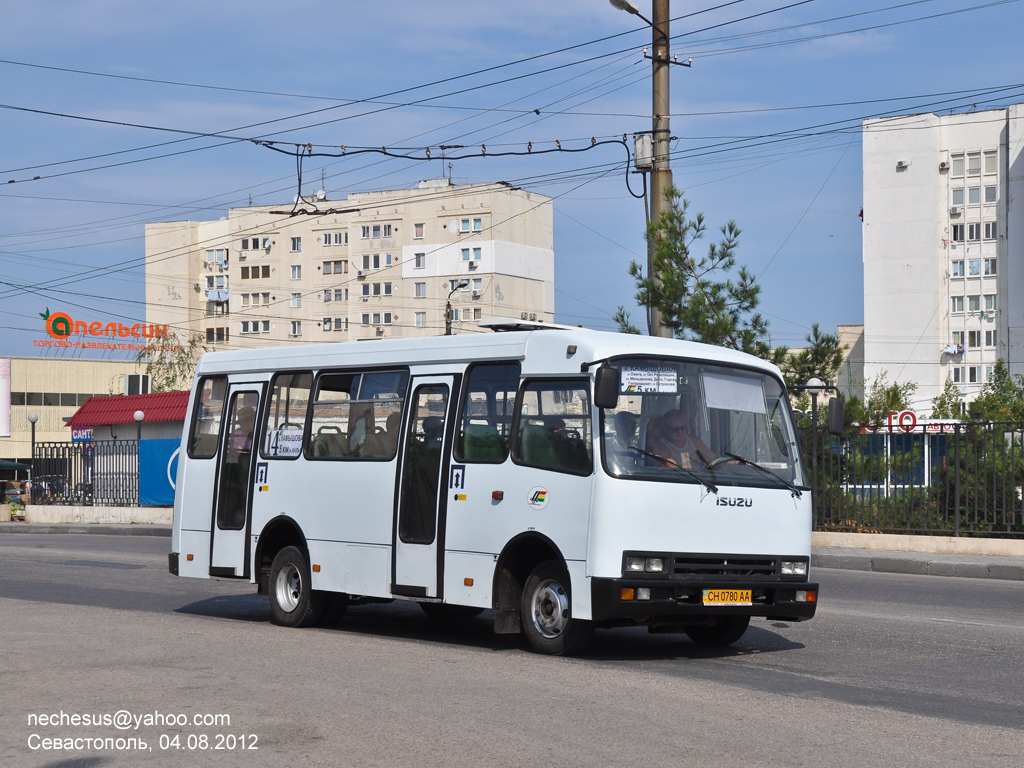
717	566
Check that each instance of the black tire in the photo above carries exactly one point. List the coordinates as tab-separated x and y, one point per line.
444	612
292	602
725	631
545	613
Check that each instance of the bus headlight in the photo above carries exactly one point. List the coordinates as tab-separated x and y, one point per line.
635	564
794	568
655	565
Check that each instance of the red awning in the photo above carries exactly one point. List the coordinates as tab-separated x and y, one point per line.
120	409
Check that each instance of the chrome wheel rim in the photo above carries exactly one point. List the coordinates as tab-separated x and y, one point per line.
288	588
550	608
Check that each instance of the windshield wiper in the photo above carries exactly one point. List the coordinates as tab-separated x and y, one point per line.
672	465
726	456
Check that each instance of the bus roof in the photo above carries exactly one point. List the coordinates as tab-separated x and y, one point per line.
545	349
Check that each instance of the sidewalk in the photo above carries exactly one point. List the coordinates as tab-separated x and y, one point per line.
880	560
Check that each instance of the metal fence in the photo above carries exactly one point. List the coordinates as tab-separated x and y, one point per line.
950	480
105	472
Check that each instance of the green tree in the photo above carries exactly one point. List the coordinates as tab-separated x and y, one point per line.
695	295
883	397
948	404
172	365
1001	398
820	359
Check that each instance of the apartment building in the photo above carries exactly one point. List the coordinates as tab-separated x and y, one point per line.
372	265
943	248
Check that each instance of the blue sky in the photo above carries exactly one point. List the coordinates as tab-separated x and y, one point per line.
766	124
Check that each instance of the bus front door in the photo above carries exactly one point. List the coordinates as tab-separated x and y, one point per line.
233	503
422	498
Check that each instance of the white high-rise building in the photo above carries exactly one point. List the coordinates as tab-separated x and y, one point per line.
373	265
943	249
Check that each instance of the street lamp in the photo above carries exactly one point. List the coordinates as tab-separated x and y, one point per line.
661	174
32	419
138	416
448	307
814	387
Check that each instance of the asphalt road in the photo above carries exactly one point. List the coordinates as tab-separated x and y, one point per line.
895	670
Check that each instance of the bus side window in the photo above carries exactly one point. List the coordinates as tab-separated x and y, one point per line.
357	415
555	427
206	418
486	408
286	415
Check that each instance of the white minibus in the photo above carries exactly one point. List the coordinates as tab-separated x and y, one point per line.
563	478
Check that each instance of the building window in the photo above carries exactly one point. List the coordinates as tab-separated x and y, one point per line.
973	163
990	338
958	233
296	299
973	195
387	260
245	326
990	230
990	266
245	273
958	268
421	319
476	314
477	254
958	338
296	243
328	324
376	230
366	290
341	323
974	267
365	232
478	225
296	271
464	225
958	375
972	373
455	316
973	303
958	304
421	290
365	319
266	298
465	254
990	162
958	196
478	284
327	267
419	261
990	194
296	327
376	289
973	339
956	165
417	231
988	372
990	302
327	295
341	294
387	230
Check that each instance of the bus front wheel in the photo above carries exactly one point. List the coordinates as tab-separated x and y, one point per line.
546	612
293	603
725	631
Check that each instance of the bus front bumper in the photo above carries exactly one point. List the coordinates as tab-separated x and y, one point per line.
673	601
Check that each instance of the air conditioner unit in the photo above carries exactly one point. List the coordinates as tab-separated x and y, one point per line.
523	316
476	294
196	286
380	330
360	275
901	165
366	298
533	315
943	166
954	211
473	265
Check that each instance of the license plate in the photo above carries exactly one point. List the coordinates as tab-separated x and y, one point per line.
727	597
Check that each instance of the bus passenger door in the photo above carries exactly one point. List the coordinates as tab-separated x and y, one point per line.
422	492
229	554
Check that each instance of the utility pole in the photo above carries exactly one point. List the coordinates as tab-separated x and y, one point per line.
661	174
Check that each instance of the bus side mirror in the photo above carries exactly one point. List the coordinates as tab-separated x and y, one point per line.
835	416
606	387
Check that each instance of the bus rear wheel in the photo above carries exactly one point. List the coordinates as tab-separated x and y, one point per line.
546	613
725	631
293	603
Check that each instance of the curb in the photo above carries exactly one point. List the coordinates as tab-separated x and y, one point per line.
97	529
967	567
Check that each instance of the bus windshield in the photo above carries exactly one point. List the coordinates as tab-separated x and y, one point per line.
699	422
